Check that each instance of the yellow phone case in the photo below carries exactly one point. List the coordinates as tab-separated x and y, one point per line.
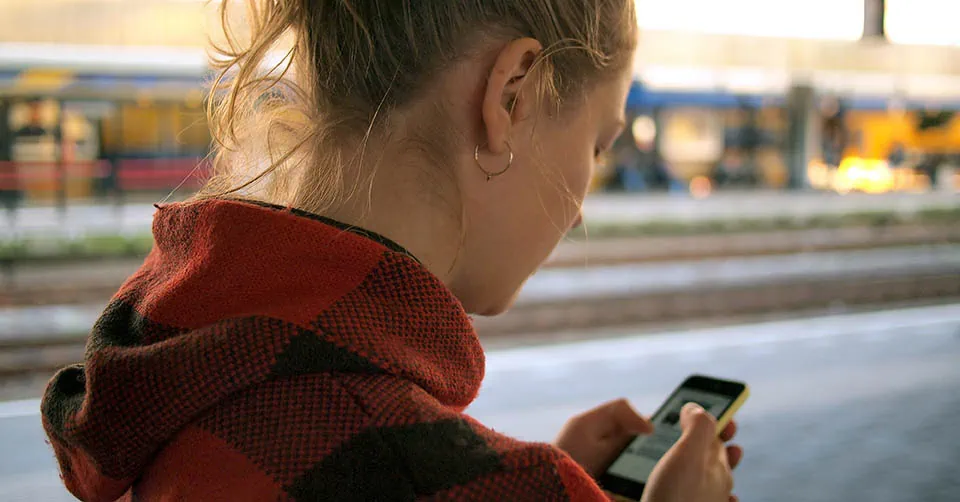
724	420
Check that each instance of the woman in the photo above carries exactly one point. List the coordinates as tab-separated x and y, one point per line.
300	329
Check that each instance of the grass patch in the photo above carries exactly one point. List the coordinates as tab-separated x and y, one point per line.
727	226
94	247
112	246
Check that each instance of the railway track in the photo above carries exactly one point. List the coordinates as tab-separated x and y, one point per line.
80	282
643	281
727	301
34	356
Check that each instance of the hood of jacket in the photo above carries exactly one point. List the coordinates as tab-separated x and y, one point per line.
234	294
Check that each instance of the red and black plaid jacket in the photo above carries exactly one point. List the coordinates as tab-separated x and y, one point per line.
267	354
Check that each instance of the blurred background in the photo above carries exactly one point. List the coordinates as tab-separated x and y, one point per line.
783	210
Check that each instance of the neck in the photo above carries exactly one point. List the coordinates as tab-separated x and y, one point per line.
403	200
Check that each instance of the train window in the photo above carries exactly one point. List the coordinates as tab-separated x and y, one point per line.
193	135
141	128
33	125
160	129
692	135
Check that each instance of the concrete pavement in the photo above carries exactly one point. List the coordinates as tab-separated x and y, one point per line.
857	407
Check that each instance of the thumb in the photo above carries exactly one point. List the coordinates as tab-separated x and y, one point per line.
699	427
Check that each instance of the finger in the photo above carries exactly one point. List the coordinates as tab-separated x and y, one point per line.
613	420
728	479
734	455
720	452
627	419
699	427
723	457
729	431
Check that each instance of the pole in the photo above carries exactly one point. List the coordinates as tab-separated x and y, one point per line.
874	20
61	153
803	134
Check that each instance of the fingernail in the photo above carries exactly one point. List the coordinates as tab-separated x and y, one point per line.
692	408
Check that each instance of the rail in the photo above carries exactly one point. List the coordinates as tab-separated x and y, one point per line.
52	280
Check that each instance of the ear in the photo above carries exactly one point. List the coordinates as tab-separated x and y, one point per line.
503	102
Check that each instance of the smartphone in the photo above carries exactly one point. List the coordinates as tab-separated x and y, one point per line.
628	474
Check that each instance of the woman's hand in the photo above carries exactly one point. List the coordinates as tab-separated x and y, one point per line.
698	467
595	438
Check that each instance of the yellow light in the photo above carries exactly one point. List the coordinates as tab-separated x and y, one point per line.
864	175
644	130
819	175
43	80
701	187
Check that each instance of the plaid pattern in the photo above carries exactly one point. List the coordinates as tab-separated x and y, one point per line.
267	354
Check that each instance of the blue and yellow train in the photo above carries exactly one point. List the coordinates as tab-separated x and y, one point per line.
81	124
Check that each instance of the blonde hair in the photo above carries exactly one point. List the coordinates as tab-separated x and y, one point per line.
288	132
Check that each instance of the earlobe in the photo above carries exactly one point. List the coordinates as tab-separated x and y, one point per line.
503	96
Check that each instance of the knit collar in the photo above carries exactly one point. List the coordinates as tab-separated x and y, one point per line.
378	238
217	260
232	295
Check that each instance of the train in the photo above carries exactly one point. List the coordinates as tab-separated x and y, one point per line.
90	122
704	136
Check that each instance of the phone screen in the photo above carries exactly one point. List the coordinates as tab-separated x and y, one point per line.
637	461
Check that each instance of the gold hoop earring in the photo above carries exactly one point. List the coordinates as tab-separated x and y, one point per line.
490	175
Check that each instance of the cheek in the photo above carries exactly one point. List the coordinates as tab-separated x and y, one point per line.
577	167
564	189
586	176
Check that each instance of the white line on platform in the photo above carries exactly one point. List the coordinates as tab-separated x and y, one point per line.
608	350
17	409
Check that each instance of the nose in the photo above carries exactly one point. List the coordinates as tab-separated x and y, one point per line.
577	222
